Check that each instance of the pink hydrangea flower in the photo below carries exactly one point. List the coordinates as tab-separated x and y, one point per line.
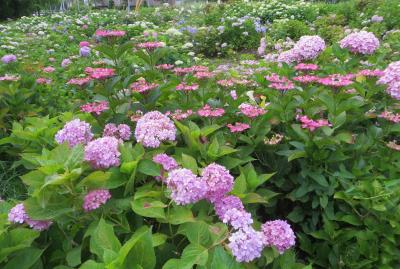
100	73
181	115
142	86
226	82
109	33
187	88
94	199
9	78
39	225
95	107
84	44
306	67
74	132
361	42
153	128
43	81
371	73
233	94
185	187
181	71
209	112
279	234
79	81
312	125
150	46
103	153
306	79
219	181
168	163
49	69
391	78
66	62
238	127
336	80
390	116
165	66
251	111
309	47
246	244
203	75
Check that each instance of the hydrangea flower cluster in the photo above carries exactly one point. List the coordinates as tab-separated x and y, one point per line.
237	218
103	152
336	80
279	234
390	116
9	58
221	206
186	187
17	214
306	79
122	131
312	125
391	78
246	244
142	86
209	112
165	66
203	75
362	42
100	73
94	199
219	181
187	88
251	111
84	51
109	33
306	67
153	128
150	46
168	163
309	47
95	107
74	132
66	62
238	127
79	81
181	115
9	78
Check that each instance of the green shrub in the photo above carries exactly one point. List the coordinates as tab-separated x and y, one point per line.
294	29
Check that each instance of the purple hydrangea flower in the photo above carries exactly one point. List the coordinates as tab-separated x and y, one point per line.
238	219
362	42
376	18
65	63
391	77
84	52
309	47
74	132
122	131
94	199
168	163
186	187
103	152
224	204
279	234
39	225
246	244
17	214
153	128
9	58
218	180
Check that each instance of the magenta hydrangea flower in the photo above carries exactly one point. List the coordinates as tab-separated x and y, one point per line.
9	58
238	219
94	199
279	234
95	107
17	214
153	128
238	127
312	125
122	131
74	132
218	180
168	163
142	86
246	244
362	42
251	111
185	187
221	206
209	112
109	33
103	152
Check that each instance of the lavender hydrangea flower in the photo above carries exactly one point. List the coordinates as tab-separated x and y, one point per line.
279	234
84	52
9	58
94	199
153	128
122	131
66	62
74	132
39	225
186	187
238	219
362	42
17	214
224	204
391	77
246	244
103	152
309	47
218	180
168	163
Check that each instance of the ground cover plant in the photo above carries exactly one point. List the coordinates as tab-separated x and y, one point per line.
241	135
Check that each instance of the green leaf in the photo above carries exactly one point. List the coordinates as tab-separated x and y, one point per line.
148	207
195	254
213	148
150	168
179	215
300	132
296	154
75	157
90	264
24	259
222	260
189	162
240	185
319	178
74	256
48	211
209	129
197	232
159	239
104	239
94	180
15	240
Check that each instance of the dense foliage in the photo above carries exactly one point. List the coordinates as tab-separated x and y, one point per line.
249	135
